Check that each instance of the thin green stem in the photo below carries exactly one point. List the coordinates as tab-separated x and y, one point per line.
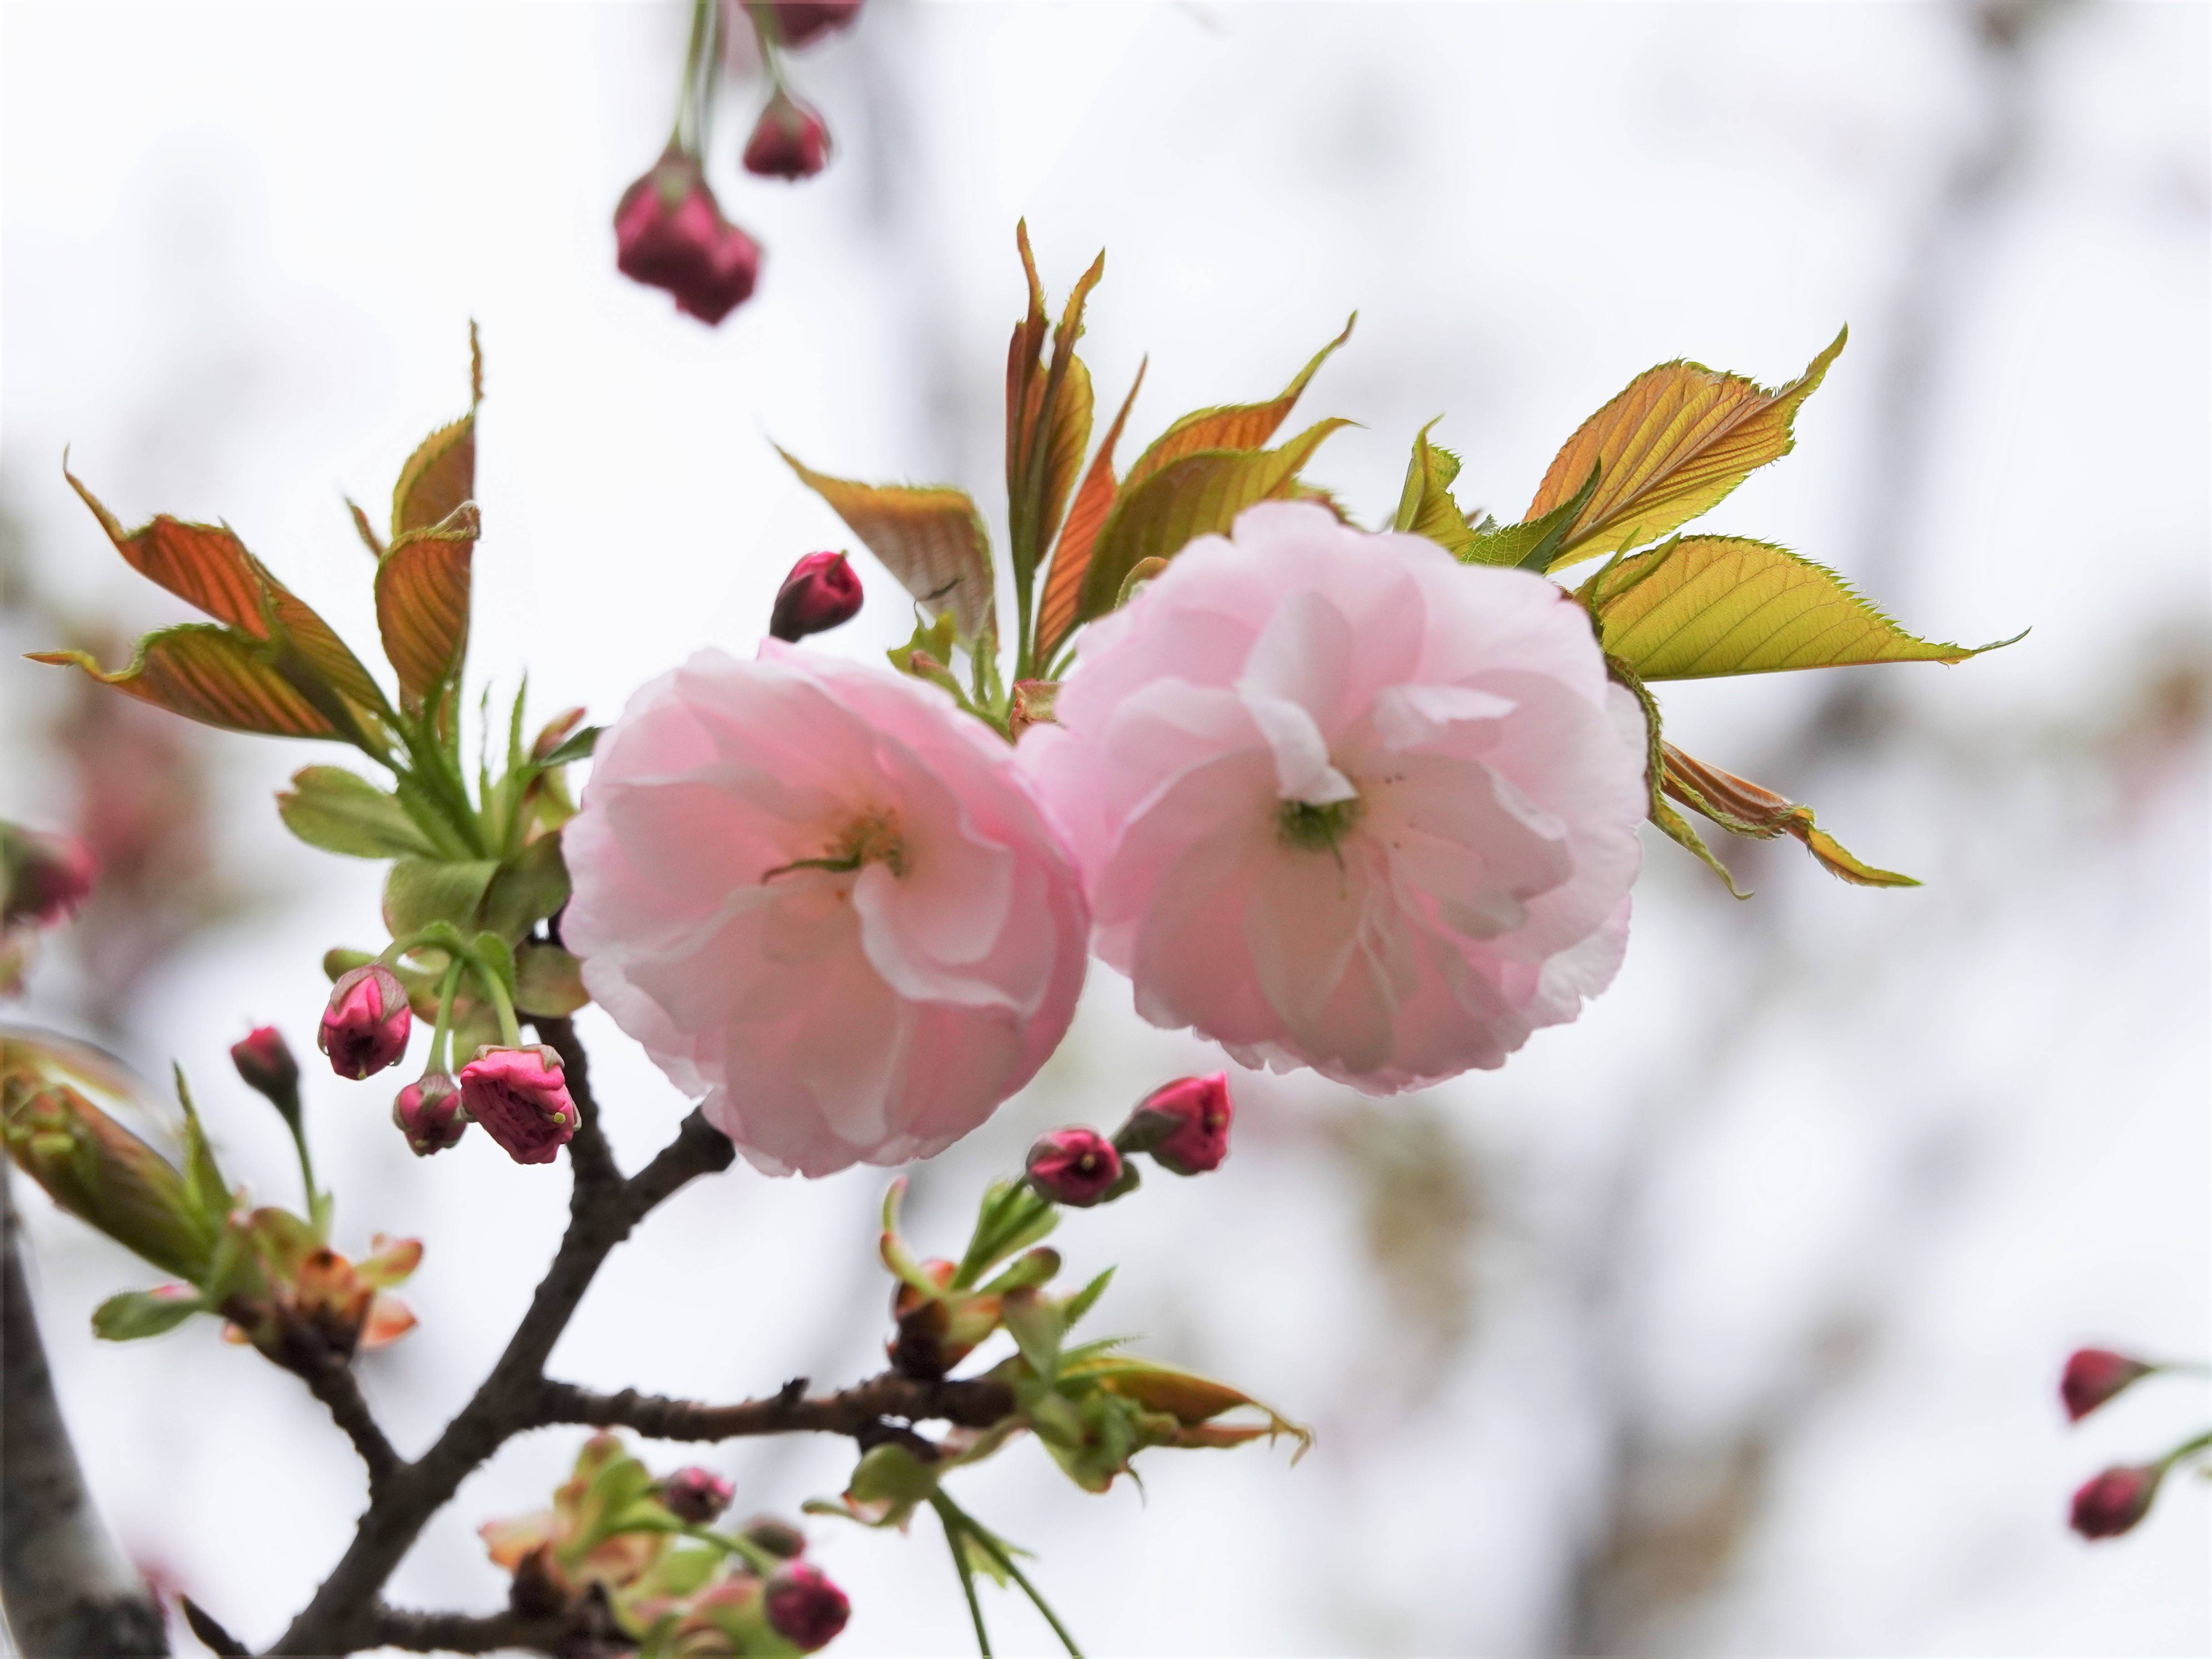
990	1547
951	1519
510	1030
2187	1448
442	1034
315	1200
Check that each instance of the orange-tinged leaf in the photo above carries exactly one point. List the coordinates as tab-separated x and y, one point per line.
1024	356
1672	445
212	675
422	604
437	478
1658	809
1425	506
1704	606
1746	808
928	536
1048	412
1063	584
1234	426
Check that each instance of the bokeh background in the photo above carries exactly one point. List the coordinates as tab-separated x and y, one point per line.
1725	1321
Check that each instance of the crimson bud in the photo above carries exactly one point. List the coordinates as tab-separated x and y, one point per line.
264	1061
1184	1124
2112	1502
799	21
521	1098
429	1112
806	1608
695	1495
669	234
2092	1376
789	141
820	592
365	1026
43	879
1074	1166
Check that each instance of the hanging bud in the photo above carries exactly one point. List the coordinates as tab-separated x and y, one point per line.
365	1027
670	234
806	1608
1184	1124
265	1062
1074	1166
789	141
820	592
521	1098
799	22
2113	1502
778	1538
695	1495
428	1112
43	879
2092	1376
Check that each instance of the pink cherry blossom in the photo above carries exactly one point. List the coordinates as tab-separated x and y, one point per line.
1343	802
824	899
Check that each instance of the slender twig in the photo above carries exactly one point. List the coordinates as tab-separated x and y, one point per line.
949	1517
588	1155
333	1382
857	1411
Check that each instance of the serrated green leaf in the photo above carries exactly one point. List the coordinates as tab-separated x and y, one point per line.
437	478
419	892
1670	823
1707	605
1063	586
578	745
1085	1300
1679	438
1234	426
133	1315
929	537
340	811
1425	506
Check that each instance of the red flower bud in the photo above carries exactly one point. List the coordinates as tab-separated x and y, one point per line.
2112	1502
789	141
1184	1124
43	879
264	1061
2092	1376
365	1027
669	234
820	592
695	1495
1073	1166
429	1112
521	1099
778	1538
799	21
806	1608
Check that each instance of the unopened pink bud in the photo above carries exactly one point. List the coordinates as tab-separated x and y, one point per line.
820	592
365	1027
670	234
1184	1124
789	141
1075	1166
521	1098
43	879
429	1114
2112	1502
806	1608
799	21
2092	1376
695	1495
264	1061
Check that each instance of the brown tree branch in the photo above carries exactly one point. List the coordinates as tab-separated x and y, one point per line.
465	1632
332	1381
858	1411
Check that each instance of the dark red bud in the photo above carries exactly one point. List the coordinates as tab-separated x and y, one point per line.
2112	1502
366	1024
669	234
820	592
2092	1376
264	1061
696	1495
1184	1124
1074	1166
799	21
806	1608
429	1112
43	879
789	141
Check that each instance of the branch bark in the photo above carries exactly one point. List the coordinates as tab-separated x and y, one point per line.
334	1384
857	1411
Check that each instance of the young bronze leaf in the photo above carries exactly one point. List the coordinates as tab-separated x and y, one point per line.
422	604
1054	430
1671	824
441	473
1705	605
1197	496
1063	584
1671	446
213	675
1425	506
1745	808
1236	426
929	537
365	530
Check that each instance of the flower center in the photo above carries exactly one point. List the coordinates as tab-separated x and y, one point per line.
1313	828
872	838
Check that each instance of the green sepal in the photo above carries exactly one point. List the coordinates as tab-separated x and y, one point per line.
133	1316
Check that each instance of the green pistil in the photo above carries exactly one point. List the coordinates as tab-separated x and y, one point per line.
1313	828
873	838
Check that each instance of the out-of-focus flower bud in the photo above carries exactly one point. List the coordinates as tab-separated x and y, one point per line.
936	1332
264	1061
521	1098
105	1176
1184	1124
1032	705
366	1024
670	234
820	592
806	1608
43	877
2092	1376
789	141
798	22
778	1538
695	1495
556	732
429	1114
2111	1504
1073	1166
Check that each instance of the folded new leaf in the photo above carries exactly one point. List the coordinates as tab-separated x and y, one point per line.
1234	426
1048	412
1745	808
1063	585
1425	506
422	603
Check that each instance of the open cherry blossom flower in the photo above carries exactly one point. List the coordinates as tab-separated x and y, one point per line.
824	899
1343	802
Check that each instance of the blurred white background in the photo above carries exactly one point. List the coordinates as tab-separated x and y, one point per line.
1725	1320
